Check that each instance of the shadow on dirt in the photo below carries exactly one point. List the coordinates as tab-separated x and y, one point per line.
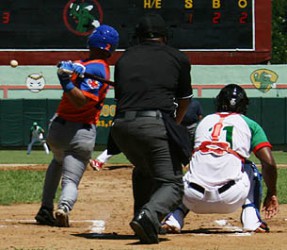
105	236
118	166
112	236
212	231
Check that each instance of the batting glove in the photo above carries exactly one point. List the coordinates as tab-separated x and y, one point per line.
66	66
79	69
64	73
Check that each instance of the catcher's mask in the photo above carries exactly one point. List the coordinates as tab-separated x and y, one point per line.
232	98
151	26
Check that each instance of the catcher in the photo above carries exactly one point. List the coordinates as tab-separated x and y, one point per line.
220	178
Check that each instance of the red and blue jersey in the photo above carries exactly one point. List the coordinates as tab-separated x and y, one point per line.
95	90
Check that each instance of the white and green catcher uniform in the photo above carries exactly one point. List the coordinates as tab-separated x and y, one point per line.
220	180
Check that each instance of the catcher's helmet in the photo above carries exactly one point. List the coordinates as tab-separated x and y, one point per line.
104	37
151	26
232	98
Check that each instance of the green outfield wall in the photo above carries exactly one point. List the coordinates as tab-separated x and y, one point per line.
17	116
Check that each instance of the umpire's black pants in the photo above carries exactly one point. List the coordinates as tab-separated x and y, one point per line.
157	176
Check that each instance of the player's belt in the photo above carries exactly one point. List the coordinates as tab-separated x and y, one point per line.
62	121
134	114
220	190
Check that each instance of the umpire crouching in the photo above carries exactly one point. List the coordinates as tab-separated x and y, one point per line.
149	77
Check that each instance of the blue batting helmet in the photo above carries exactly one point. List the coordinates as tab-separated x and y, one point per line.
104	37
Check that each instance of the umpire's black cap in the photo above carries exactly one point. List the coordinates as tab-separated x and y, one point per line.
151	26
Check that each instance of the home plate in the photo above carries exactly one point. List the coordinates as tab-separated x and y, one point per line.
238	231
98	226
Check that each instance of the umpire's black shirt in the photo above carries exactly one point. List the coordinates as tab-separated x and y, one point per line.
149	76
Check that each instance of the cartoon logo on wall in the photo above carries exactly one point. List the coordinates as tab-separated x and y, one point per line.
264	79
35	82
81	17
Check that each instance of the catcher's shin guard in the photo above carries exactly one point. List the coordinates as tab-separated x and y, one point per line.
250	216
251	220
257	186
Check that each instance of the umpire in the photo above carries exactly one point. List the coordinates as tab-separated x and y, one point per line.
149	77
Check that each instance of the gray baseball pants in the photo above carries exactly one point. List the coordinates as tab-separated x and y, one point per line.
157	176
72	145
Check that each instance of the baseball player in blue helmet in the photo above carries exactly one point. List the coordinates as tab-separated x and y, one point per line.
72	132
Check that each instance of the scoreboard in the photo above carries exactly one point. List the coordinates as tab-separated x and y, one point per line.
208	31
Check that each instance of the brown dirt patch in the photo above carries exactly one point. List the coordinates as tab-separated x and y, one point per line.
107	196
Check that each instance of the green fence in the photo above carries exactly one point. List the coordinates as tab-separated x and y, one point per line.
17	116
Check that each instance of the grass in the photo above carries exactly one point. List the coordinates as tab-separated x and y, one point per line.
22	186
282	186
279	156
39	157
26	186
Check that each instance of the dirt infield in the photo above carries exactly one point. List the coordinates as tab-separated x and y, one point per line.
106	197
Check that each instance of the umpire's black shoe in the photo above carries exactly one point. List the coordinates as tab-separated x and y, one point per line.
45	217
144	229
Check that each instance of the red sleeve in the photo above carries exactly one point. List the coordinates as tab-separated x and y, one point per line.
261	145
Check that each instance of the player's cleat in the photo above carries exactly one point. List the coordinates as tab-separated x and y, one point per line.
45	217
96	165
173	222
169	229
263	228
62	217
170	225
